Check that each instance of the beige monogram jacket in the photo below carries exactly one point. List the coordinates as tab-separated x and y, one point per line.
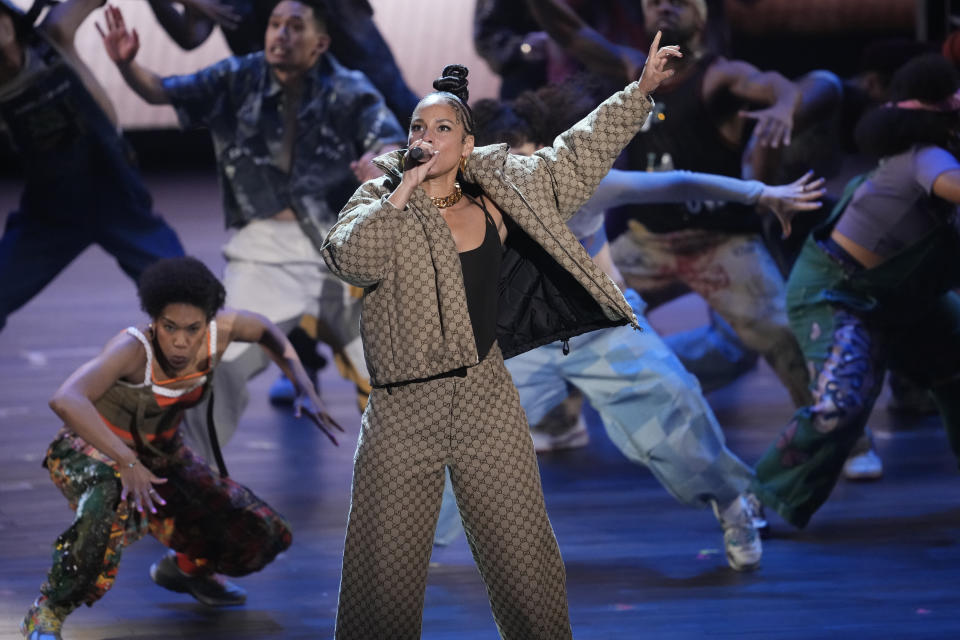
414	320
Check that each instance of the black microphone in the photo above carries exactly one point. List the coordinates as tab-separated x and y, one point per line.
415	156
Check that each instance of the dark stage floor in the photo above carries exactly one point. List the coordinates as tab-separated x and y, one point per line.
881	560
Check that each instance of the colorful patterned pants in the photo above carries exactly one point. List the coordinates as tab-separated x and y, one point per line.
850	347
734	274
474	426
214	521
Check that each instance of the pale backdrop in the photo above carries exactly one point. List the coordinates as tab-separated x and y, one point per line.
423	34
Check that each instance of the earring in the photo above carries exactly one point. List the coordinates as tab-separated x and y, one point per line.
463	164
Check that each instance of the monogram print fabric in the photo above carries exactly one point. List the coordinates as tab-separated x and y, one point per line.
414	321
475	425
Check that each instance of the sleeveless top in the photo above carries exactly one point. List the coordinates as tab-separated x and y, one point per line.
683	132
149	413
481	269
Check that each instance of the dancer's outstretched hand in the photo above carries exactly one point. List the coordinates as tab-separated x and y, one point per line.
308	402
655	69
121	45
786	200
774	125
137	482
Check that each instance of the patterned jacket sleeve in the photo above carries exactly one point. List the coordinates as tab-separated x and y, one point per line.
359	248
583	154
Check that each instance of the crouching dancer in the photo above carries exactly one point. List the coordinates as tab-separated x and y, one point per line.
122	465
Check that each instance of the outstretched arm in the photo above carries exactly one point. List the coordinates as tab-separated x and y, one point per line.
60	25
188	29
581	156
584	43
191	27
63	20
641	187
786	200
122	47
947	186
246	326
775	122
123	358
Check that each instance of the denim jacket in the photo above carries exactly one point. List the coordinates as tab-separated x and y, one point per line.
341	117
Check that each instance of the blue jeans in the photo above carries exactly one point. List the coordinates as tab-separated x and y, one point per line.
713	353
651	407
34	249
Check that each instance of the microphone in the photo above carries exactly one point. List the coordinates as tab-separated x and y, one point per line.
415	156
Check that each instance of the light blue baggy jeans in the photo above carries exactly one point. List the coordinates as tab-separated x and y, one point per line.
651	407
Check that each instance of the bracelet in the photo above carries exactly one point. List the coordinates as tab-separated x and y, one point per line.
131	465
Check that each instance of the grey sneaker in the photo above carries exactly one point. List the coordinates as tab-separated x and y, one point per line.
756	512
210	589
740	538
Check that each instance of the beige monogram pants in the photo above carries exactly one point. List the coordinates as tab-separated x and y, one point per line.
473	424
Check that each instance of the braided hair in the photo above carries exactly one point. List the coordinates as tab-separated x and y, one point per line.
451	86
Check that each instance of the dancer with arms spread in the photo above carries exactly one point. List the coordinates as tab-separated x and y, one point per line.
874	289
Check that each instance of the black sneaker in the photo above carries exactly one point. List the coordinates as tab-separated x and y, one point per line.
210	589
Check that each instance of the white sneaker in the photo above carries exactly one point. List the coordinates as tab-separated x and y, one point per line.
573	438
866	465
740	538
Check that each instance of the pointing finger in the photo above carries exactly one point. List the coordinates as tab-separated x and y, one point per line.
655	45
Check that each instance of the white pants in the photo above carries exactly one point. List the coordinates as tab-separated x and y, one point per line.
273	269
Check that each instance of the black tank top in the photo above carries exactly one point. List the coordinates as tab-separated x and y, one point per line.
685	127
481	275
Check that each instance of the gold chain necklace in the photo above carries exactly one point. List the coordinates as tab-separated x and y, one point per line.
450	200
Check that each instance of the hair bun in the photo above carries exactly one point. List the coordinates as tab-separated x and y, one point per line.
454	80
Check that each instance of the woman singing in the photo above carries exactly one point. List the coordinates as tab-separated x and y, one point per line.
465	259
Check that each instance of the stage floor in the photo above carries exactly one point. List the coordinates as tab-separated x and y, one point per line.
880	560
